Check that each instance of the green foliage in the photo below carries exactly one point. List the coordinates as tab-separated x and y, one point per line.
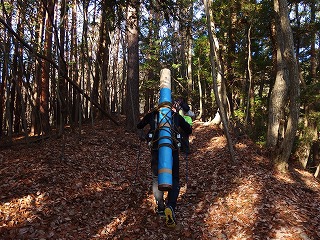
176	66
259	129
311	94
239	114
7	7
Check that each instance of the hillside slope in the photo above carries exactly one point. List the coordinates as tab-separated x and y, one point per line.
97	186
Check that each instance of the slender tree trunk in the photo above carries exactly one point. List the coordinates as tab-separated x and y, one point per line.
248	112
85	66
115	69
38	44
189	49
62	85
14	99
313	57
45	78
316	156
4	81
3	72
76	101
214	49
132	94
231	53
309	136
17	78
200	91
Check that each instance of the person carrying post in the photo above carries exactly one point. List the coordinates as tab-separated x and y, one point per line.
184	110
164	208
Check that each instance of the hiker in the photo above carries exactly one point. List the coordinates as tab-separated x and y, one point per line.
184	110
177	122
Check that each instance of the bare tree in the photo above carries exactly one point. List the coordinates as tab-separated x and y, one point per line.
214	47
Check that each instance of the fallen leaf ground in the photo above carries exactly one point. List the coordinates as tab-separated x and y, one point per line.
96	185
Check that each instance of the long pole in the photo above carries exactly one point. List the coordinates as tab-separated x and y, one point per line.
165	138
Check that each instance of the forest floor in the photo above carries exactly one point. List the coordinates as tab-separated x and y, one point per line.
97	185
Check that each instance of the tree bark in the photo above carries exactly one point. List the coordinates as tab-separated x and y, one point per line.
132	94
200	91
53	64
287	81
62	84
214	49
45	78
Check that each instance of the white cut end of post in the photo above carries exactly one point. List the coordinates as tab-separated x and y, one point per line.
165	78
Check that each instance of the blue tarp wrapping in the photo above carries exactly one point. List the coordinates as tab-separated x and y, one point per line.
165	139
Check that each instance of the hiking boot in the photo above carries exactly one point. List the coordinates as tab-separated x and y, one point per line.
170	217
160	212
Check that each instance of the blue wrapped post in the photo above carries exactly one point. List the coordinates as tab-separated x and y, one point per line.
165	139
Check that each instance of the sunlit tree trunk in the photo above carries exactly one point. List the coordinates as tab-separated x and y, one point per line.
286	89
200	91
216	69
249	101
189	49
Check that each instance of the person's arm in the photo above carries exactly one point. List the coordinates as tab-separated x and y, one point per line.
185	107
186	127
144	121
190	113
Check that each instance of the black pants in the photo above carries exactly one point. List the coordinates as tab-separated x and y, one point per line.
185	145
174	192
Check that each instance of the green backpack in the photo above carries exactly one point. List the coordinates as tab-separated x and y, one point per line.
188	119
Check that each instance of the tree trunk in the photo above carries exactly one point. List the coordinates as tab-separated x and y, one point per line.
305	150
189	49
62	85
85	66
132	94
45	78
316	157
115	70
76	97
214	50
38	44
4	81
231	53
100	60
200	91
288	82
17	78
248	112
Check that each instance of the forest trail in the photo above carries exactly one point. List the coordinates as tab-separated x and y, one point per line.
89	187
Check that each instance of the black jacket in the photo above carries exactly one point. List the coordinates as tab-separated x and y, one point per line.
179	126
